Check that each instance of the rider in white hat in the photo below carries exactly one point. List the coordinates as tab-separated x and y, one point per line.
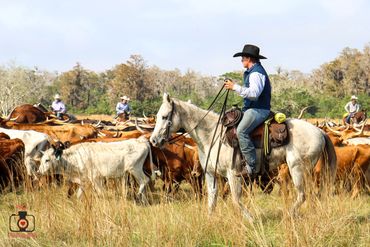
351	108
123	108
58	106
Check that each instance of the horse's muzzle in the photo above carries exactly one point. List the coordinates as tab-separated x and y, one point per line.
157	142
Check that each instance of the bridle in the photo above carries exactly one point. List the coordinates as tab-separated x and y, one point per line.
169	123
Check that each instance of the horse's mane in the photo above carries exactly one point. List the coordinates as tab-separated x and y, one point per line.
195	109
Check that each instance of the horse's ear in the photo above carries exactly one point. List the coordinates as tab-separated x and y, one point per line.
166	98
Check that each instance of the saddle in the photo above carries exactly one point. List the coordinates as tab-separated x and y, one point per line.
266	136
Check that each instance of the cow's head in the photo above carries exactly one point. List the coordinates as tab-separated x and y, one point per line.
50	160
58	148
168	121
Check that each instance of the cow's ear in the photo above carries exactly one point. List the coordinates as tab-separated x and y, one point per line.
53	146
67	144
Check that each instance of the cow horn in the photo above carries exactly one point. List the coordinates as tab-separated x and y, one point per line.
97	125
347	127
358	127
101	134
13	119
8	117
57	121
145	115
332	130
138	128
361	132
302	111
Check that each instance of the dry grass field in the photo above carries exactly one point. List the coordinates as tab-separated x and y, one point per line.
112	220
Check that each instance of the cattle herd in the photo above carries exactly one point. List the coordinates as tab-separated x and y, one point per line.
34	145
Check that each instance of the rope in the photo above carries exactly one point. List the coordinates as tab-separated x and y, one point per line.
214	133
220	140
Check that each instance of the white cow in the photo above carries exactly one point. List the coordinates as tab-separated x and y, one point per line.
94	161
34	142
357	141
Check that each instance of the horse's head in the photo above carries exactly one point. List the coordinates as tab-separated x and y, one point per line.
359	117
168	121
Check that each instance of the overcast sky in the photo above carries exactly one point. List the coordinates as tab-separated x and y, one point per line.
195	34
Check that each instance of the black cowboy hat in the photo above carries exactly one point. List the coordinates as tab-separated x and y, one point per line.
250	51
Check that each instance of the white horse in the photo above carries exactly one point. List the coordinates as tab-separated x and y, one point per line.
307	144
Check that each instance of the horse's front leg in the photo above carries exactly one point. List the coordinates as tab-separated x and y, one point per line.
212	191
236	192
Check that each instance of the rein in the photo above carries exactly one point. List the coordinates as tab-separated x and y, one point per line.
223	109
169	122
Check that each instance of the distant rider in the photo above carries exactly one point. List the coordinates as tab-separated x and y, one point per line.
123	108
58	107
351	108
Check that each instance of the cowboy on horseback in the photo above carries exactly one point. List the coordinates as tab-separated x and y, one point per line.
351	108
123	109
58	107
256	91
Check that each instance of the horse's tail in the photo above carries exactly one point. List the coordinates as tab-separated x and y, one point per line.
330	158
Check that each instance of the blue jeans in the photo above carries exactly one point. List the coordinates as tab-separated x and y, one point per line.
251	119
59	115
348	118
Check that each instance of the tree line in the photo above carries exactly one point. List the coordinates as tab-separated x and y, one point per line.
326	89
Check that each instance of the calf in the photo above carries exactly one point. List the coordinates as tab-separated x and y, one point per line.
97	161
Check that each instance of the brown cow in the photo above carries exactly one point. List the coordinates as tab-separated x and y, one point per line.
69	132
353	167
353	164
123	136
12	169
27	114
178	162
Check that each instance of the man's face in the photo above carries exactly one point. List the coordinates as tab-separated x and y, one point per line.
124	101
354	101
246	62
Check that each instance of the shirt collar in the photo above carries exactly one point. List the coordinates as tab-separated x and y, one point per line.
249	70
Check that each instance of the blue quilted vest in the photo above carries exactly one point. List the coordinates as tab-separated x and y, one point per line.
263	101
